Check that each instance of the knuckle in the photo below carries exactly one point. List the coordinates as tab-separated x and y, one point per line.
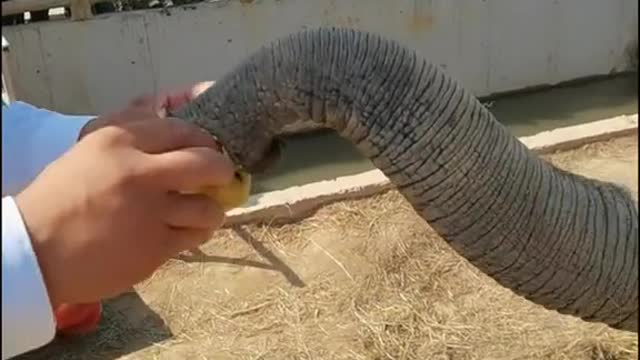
129	173
109	136
125	179
118	135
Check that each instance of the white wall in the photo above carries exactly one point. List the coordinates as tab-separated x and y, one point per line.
490	45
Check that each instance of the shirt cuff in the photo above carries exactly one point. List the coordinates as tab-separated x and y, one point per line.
27	316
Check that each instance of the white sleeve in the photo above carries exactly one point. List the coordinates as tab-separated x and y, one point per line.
27	317
31	139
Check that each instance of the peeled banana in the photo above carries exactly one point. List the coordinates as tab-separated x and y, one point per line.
232	195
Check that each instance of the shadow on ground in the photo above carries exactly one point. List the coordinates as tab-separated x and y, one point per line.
128	325
273	262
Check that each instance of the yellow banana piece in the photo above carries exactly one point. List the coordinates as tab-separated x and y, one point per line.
233	195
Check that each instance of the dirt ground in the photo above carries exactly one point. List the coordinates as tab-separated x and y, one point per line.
363	279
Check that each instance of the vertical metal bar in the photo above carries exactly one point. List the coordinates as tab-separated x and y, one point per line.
8	89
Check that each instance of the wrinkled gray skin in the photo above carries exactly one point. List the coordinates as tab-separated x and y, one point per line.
560	240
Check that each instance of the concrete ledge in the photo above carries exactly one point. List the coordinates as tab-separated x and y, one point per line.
574	136
298	202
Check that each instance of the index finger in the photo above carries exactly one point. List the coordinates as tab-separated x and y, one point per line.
191	169
168	134
166	101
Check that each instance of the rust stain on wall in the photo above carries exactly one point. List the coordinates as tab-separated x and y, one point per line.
419	22
421	18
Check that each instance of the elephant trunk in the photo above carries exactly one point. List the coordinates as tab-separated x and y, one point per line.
563	241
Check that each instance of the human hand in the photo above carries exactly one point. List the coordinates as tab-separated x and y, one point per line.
107	214
158	104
